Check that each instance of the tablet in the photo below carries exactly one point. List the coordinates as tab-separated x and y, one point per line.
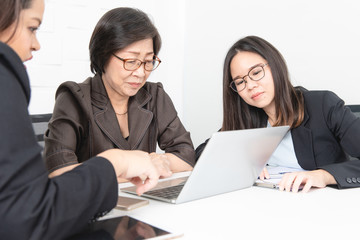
124	228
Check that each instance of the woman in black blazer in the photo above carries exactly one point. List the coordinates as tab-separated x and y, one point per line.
257	92
32	206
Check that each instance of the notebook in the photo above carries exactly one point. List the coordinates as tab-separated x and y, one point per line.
231	160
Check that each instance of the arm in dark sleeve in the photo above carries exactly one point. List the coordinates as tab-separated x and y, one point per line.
173	136
200	149
66	130
346	128
32	206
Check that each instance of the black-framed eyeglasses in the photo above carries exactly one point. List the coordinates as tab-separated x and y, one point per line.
132	64
256	73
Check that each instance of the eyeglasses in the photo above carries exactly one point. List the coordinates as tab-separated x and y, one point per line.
256	73
132	64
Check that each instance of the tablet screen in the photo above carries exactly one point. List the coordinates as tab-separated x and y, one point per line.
121	228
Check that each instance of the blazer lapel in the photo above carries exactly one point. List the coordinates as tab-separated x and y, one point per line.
303	145
139	117
104	114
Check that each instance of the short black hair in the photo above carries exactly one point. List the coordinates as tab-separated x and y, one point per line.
117	29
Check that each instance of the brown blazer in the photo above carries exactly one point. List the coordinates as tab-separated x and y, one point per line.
84	124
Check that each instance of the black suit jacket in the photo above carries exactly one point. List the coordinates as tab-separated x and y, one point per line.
32	206
328	131
327	134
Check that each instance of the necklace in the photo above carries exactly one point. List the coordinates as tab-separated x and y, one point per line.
121	113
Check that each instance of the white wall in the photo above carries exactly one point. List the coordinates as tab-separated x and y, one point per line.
64	37
319	39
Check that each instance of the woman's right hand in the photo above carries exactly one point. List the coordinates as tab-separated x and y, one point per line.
162	164
264	174
135	165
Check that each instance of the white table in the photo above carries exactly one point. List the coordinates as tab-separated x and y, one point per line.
258	213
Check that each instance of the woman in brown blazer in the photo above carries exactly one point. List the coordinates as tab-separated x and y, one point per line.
117	108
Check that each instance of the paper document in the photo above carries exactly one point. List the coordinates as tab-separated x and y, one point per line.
276	173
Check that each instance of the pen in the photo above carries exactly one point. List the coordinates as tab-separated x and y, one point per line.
277	175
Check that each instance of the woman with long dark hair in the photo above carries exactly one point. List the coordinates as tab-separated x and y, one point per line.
257	92
32	206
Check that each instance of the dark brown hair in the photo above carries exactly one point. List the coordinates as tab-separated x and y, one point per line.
289	103
10	13
117	29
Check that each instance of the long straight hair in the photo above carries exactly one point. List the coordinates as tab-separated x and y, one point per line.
10	13
289	102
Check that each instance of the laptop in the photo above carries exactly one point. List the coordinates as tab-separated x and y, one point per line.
231	160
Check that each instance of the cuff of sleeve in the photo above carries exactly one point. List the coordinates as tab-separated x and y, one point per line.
343	180
108	187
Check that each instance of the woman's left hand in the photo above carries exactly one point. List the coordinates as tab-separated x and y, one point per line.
316	178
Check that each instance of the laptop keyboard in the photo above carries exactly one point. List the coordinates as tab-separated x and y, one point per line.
168	193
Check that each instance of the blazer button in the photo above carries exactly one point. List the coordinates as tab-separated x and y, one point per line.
358	179
348	180
354	180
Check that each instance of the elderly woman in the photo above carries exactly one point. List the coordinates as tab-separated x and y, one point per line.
117	108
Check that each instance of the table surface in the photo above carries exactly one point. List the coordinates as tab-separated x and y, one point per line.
257	213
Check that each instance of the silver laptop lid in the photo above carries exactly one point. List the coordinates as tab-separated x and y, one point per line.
231	160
